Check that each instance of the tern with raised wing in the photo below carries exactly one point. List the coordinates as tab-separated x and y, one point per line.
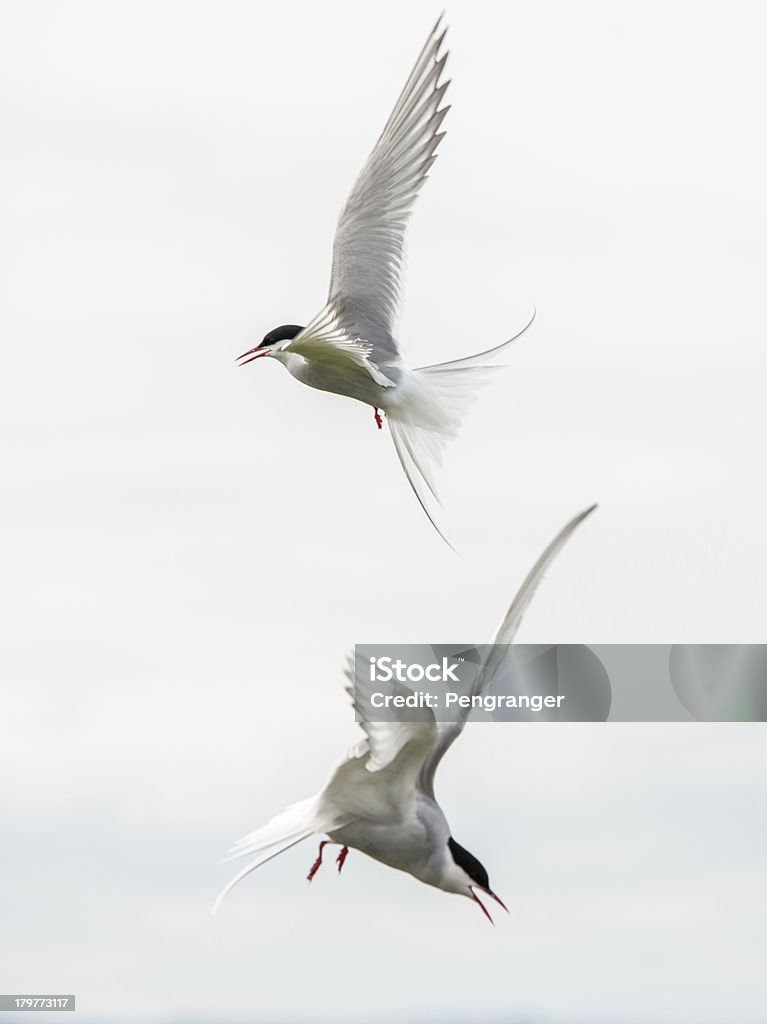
350	347
380	796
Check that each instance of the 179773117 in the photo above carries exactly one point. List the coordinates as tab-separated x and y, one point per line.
37	1002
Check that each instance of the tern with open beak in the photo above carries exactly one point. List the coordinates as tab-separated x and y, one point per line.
380	798
350	347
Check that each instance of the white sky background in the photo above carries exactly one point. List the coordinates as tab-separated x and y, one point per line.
189	549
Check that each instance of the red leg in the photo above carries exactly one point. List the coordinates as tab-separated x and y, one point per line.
377	418
316	866
341	858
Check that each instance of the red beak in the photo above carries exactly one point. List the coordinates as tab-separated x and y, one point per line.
250	354
482	907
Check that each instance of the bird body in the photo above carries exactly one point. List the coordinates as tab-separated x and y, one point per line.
350	347
391	823
379	798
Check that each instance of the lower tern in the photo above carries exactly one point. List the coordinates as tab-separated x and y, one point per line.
380	798
350	348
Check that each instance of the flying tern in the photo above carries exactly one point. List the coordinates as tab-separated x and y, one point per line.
350	347
380	798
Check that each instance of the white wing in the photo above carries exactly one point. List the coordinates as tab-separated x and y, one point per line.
511	621
384	741
329	341
505	633
369	241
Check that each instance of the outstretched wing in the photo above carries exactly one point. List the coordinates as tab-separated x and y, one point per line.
329	342
369	242
384	741
505	633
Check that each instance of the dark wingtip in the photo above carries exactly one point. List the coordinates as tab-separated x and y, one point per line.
586	513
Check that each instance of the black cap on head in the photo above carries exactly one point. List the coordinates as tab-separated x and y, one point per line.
469	863
285	333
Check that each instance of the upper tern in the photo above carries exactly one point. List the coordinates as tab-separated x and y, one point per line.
350	347
380	798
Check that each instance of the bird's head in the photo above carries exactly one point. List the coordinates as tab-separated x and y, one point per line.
273	343
465	875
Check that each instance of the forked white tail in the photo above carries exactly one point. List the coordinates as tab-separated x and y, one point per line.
435	400
285	830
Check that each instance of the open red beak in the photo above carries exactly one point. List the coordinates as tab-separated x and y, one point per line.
482	907
249	356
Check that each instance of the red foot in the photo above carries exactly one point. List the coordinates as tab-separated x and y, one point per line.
341	858
316	866
377	418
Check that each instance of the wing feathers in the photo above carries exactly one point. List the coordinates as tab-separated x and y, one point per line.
327	339
433	45
508	628
449	733
385	740
369	243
